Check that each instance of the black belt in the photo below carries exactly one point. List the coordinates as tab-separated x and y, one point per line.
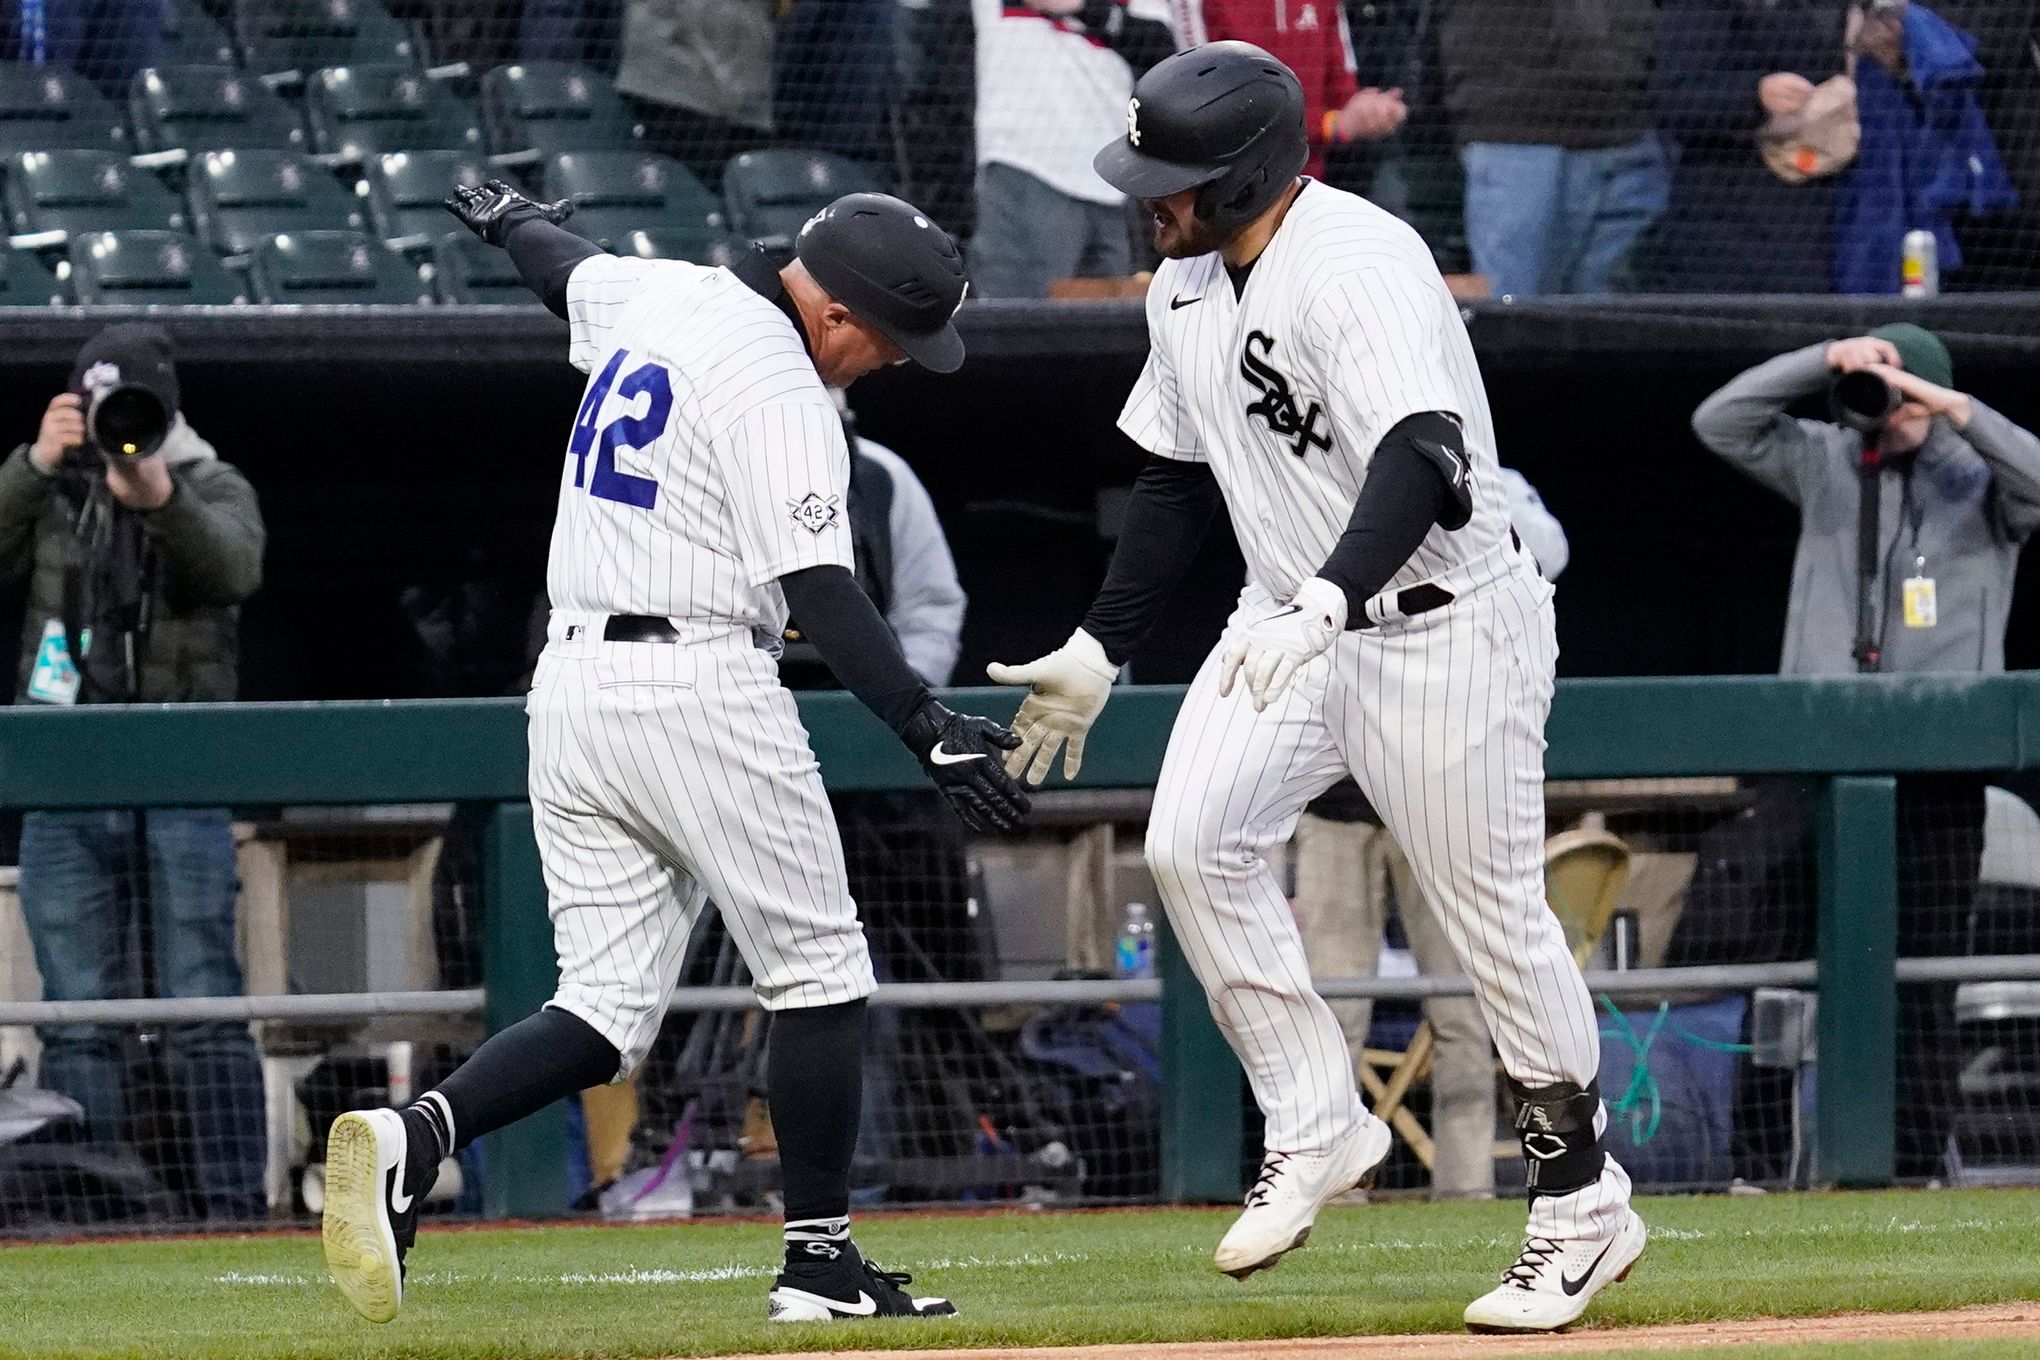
639	628
1414	600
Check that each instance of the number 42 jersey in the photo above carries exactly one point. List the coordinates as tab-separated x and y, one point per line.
707	459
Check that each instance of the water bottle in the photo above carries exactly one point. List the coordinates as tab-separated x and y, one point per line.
1135	957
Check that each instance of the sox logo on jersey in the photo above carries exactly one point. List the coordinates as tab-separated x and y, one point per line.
1439	716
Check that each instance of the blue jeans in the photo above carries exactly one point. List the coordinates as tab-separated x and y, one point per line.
78	876
107	41
1029	235
1542	219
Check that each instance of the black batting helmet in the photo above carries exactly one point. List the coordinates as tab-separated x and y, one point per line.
884	260
1225	119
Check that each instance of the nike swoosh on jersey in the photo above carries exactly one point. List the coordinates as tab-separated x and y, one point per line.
946	757
1177	302
1572	1286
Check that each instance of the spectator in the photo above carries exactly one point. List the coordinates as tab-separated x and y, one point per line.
486	33
1564	171
1053	78
1349	872
136	565
106	41
834	82
1927	153
1312	39
1957	492
1723	68
698	73
2004	256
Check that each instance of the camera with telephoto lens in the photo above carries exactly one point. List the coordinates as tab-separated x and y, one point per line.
126	420
1862	401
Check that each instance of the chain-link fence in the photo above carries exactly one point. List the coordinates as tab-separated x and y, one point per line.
1639	145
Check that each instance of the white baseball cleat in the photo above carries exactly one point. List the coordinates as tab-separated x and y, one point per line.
1553	1281
1290	1190
370	1220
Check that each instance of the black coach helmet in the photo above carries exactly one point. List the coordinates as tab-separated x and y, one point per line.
887	262
1225	119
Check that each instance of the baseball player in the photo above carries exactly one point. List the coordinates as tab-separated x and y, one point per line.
701	501
1309	370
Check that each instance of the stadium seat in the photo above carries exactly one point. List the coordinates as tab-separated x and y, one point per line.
538	109
191	38
695	245
357	112
771	193
473	273
145	267
240	198
407	191
43	108
300	36
615	192
207	108
332	267
74	191
26	281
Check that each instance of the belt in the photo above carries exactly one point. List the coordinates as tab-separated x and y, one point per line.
639	628
1411	601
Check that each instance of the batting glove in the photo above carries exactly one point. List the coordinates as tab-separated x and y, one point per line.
961	753
1270	650
490	210
1068	689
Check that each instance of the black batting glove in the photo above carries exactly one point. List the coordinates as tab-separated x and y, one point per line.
492	209
965	758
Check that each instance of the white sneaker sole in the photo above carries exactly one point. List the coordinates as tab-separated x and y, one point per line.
1621	1259
1378	1136
361	1251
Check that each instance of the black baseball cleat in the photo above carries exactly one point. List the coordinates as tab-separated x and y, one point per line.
371	1220
845	1286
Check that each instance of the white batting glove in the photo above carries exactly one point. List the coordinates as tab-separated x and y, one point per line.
1068	688
1271	649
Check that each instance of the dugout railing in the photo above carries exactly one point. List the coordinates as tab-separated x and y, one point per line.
1852	735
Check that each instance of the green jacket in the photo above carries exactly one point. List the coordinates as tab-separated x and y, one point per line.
207	541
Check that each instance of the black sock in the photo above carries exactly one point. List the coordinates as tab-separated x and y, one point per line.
814	1078
540	1059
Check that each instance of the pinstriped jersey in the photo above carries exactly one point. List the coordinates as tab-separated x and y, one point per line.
1343	328
706	460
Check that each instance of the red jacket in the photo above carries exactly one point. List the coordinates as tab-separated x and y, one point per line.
1310	37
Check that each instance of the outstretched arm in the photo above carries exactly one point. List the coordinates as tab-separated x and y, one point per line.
545	255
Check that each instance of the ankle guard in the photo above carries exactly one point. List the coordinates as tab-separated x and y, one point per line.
1561	1151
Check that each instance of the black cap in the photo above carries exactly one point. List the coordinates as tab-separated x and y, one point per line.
131	354
892	266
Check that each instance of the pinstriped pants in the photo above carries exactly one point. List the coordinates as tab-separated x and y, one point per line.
1441	719
663	776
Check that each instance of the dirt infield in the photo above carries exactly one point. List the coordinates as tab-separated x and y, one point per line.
1996	1322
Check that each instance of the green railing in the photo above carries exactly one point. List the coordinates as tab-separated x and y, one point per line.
1853	734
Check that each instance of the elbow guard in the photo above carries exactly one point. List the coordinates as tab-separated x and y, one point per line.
1435	437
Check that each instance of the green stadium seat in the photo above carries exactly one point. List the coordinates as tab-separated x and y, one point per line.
74	191
240	198
138	268
615	192
537	109
358	112
332	267
207	108
473	273
772	193
301	36
26	281
695	245
191	38
407	191
43	108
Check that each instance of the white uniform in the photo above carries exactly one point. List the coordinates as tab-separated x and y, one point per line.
1345	328
706	461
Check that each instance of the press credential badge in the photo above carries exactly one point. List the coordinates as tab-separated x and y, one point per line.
1920	608
54	680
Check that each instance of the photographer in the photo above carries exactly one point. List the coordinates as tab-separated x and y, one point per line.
1952	491
138	544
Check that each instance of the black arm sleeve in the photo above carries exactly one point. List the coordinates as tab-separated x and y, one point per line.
1418	477
837	616
545	256
1166	519
1142	42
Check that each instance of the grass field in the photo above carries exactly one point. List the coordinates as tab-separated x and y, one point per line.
1019	1279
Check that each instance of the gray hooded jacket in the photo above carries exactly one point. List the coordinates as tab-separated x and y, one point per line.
1966	504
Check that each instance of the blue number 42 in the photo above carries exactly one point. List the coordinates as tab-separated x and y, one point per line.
624	432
